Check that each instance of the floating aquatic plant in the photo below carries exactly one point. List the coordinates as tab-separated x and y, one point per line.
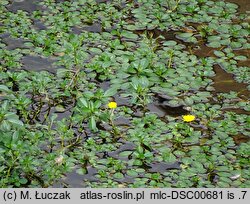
66	66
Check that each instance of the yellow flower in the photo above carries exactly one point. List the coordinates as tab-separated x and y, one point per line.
112	105
188	118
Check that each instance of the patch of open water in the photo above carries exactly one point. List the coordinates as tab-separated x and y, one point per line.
37	63
25	5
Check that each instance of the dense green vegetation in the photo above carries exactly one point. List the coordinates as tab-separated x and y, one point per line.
63	63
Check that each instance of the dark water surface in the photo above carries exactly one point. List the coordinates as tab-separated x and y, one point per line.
224	82
244	5
12	43
37	63
25	5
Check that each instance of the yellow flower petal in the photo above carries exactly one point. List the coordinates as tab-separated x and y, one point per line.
112	105
188	118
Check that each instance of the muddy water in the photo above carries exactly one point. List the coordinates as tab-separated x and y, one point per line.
224	82
244	5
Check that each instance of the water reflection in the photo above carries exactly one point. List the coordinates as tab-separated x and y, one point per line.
27	5
37	63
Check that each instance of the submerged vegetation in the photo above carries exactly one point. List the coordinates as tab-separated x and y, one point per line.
146	93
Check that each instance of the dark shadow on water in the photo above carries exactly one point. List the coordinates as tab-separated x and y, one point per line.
39	25
75	180
163	110
224	82
12	43
94	28
163	167
25	5
156	109
37	63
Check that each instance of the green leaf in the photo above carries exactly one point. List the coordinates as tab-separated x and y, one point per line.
23	180
95	50
11	115
171	92
4	88
170	43
128	34
213	38
4	125
169	158
131	27
140	170
132	173
240	58
125	153
185	35
60	108
118	175
110	92
92	123
97	104
144	63
15	137
235	45
81	171
15	122
189	101
219	53
137	162
83	102
214	44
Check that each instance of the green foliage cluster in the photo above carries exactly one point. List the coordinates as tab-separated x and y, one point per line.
141	55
